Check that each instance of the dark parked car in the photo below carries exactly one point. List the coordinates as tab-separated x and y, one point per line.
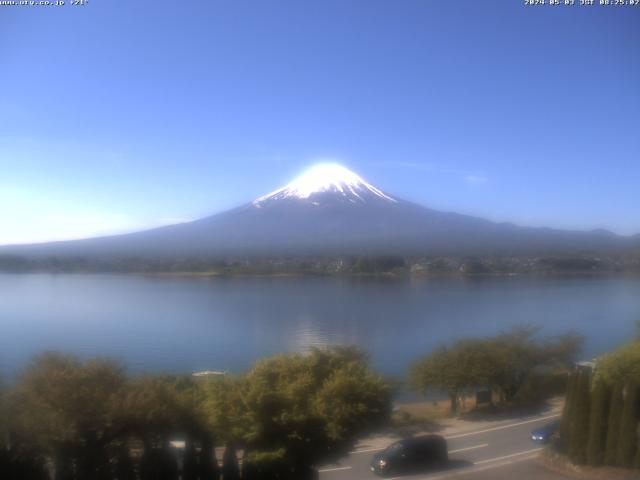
411	455
544	433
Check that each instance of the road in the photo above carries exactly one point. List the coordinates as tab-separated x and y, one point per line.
498	452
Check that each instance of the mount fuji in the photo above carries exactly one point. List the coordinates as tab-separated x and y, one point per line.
330	210
325	184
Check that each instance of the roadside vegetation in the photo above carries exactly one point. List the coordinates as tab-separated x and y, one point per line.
601	421
515	366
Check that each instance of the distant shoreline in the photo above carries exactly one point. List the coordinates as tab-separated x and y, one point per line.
378	265
380	276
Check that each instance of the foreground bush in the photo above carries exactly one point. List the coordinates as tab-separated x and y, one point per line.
71	420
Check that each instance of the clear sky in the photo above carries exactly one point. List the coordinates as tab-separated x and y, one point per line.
122	114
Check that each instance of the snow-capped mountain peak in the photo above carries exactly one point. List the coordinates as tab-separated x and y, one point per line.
327	178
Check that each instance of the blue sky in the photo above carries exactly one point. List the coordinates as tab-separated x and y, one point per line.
121	115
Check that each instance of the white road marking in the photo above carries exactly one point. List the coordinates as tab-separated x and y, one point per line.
367	450
511	425
480	462
469	448
336	469
491	466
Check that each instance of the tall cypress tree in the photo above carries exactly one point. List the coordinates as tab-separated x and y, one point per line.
628	438
579	427
567	413
613	425
598	416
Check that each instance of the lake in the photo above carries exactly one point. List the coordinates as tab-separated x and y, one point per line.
184	324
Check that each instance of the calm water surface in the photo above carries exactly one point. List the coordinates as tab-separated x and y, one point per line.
188	324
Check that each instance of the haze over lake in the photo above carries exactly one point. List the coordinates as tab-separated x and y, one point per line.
186	324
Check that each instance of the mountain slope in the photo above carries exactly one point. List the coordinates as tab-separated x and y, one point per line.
332	211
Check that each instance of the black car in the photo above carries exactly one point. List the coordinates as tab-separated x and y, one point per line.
411	455
544	433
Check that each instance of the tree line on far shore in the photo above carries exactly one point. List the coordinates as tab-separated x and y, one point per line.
330	265
67	419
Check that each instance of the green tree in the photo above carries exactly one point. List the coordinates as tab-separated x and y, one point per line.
314	406
19	460
505	363
613	425
562	351
351	399
159	407
622	365
4	418
226	407
621	368
71	410
446	369
567	413
515	355
628	435
579	426
600	397
307	409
